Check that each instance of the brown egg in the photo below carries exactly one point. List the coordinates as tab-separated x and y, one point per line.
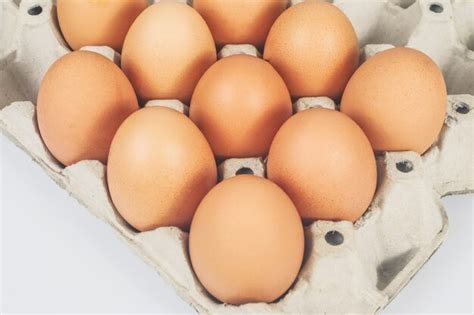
240	22
246	241
82	100
97	22
325	163
160	167
239	104
314	48
399	98
166	51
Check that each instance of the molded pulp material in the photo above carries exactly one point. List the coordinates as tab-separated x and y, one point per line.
379	254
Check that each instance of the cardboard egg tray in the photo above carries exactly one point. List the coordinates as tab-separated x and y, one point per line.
356	268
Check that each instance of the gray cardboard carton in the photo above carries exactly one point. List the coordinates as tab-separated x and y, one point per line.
348	268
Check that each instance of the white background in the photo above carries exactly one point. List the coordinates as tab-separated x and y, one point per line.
56	257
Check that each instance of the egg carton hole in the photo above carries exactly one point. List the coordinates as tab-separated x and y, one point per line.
405	166
240	166
404	4
35	10
436	8
169	262
334	238
244	171
462	108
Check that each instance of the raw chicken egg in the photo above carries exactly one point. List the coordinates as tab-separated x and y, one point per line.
239	104
246	241
97	22
82	100
240	22
166	51
160	167
399	98
314	48
324	162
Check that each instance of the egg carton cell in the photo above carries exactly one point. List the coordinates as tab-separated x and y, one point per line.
233	167
177	105
230	50
347	267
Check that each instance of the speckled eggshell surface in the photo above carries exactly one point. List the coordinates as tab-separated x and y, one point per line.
240	22
97	22
325	163
166	51
246	241
160	167
314	47
239	104
398	97
83	99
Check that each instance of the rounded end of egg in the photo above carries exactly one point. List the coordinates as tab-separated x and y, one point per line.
399	98
239	104
82	100
314	47
152	180
166	51
324	162
246	241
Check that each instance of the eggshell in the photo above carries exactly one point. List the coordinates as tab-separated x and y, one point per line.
399	99
240	22
314	48
239	104
97	22
325	163
246	241
82	100
160	167
166	51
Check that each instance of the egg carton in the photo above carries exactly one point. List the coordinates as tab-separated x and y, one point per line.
357	268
